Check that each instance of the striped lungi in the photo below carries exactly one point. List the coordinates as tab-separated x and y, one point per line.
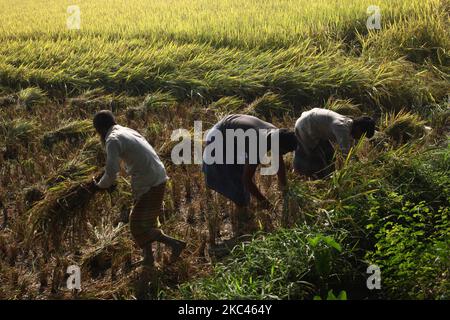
144	222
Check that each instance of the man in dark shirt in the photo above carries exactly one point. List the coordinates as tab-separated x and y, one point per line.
250	138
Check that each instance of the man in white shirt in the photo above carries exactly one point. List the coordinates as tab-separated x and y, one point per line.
316	129
148	180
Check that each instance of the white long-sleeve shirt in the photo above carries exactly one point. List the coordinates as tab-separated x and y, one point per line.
141	161
322	124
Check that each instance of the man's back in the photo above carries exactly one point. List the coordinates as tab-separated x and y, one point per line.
321	124
141	161
236	122
244	122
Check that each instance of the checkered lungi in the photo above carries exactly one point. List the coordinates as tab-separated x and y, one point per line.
144	222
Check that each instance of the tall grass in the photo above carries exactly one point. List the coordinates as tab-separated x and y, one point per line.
277	266
391	210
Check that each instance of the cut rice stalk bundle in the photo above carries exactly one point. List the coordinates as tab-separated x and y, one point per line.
159	100
344	107
72	171
94	151
154	102
267	106
111	247
97	99
18	130
15	134
86	97
72	131
403	126
227	104
63	206
31	97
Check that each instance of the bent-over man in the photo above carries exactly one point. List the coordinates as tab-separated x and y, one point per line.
235	180
148	182
316	130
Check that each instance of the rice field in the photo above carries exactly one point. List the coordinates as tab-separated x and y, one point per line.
197	51
160	65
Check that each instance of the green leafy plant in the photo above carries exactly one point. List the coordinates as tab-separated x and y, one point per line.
331	296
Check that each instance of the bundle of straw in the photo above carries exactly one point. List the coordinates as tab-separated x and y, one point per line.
72	131
111	247
63	206
270	104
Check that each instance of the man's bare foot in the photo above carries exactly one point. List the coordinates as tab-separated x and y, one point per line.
176	250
